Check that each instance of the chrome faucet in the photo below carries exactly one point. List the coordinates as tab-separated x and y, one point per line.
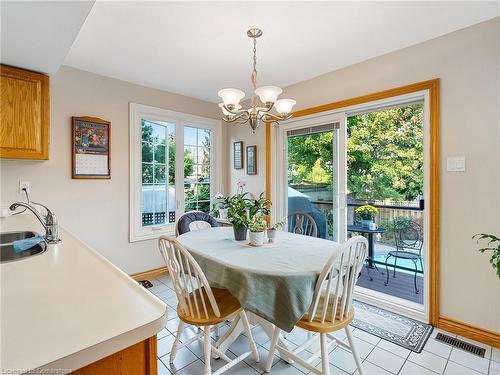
49	222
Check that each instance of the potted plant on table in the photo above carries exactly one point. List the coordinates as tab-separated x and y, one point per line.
367	214
237	214
271	231
257	226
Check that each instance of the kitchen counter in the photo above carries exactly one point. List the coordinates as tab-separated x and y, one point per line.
69	306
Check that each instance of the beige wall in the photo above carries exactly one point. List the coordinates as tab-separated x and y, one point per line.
468	64
96	211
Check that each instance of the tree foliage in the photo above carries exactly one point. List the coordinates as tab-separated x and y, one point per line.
384	155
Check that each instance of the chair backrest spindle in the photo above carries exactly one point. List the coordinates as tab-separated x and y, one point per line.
188	279
340	274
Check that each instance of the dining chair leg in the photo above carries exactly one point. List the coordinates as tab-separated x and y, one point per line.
207	350
248	331
173	352
353	350
325	362
272	348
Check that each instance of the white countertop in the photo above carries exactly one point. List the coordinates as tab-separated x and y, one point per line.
69	306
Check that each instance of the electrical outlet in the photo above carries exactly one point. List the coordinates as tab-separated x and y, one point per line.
24	185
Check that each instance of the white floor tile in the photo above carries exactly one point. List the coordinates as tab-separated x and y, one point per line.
435	331
453	368
428	360
363	348
283	368
162	369
370	369
372	339
393	348
261	365
438	348
343	359
410	368
166	293
470	360
388	361
495	355
494	368
164	345
183	358
164	332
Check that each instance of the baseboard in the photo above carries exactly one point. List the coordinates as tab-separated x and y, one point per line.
464	329
149	274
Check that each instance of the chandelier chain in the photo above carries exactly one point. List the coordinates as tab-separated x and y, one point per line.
254	72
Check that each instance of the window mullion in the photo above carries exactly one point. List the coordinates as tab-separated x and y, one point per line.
179	168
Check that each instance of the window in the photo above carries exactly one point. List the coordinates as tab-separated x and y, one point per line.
197	169
171	168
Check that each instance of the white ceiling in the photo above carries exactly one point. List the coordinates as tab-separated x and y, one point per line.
196	48
37	35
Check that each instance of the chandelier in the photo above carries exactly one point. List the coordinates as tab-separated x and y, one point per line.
260	110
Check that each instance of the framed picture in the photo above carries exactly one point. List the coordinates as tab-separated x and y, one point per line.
238	155
91	148
251	159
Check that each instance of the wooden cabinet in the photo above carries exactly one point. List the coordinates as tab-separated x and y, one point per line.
24	107
138	359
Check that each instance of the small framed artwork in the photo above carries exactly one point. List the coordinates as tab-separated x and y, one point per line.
238	155
251	159
91	148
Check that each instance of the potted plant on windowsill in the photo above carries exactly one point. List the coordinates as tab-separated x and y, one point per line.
367	214
257	226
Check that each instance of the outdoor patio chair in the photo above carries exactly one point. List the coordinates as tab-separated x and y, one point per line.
408	236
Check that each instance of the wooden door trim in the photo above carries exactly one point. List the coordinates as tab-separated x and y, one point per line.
432	86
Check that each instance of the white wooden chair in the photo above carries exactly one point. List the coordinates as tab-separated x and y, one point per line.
331	309
201	305
302	223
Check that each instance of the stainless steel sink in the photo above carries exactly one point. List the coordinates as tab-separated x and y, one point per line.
7	252
9	237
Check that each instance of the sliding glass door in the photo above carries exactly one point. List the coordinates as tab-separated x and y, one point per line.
314	161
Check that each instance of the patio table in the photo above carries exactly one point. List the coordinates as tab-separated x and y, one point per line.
371	242
275	282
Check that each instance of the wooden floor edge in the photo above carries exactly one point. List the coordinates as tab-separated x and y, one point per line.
467	330
149	274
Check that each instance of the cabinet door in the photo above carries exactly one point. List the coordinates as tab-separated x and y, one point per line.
24	126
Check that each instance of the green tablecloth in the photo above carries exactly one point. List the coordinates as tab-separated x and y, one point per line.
275	281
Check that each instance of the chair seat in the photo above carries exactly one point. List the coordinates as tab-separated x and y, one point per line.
404	254
228	306
316	326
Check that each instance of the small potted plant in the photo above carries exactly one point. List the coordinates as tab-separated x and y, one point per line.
219	209
237	214
257	226
493	245
271	232
367	214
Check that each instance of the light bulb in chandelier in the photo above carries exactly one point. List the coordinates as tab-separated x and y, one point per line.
284	106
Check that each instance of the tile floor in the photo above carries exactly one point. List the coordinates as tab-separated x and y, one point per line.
379	357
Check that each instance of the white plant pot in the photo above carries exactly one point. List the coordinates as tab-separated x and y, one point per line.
271	234
257	238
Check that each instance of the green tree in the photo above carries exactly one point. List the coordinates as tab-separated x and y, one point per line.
385	154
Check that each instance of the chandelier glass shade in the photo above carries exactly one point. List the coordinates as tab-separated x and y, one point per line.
265	99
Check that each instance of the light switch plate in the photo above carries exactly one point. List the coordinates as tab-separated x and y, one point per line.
455	164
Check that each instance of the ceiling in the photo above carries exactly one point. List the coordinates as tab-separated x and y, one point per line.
37	35
196	48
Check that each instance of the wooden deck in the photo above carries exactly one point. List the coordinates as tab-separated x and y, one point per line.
402	286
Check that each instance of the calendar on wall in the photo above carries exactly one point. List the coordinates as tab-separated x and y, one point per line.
91	139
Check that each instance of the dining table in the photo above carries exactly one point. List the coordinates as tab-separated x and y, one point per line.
274	283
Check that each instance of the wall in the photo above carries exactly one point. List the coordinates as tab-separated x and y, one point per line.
468	64
96	211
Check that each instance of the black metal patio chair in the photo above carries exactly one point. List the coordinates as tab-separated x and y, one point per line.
408	236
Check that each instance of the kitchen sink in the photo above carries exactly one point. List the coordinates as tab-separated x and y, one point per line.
7	252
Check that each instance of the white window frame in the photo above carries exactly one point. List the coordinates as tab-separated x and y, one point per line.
137	232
